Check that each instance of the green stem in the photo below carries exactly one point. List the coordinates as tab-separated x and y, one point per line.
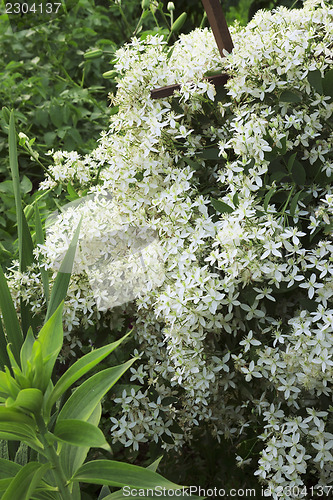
124	18
53	457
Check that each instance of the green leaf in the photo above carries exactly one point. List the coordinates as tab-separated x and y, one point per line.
40	241
221	207
85	398
29	400
210	154
155	464
56	115
50	339
298	173
328	83
72	457
17	432
26	350
79	433
4	360
268	197
192	163
11	323
15	417
72	193
293	203
291	161
60	286
8	468
112	473
315	80
25	482
80	368
24	236
289	96
235	199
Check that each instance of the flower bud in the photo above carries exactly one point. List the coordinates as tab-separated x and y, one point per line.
110	74
145	4
178	22
93	54
170	6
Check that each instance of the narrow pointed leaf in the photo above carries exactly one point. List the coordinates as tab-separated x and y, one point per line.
112	473
26	350
40	241
4	360
79	433
26	481
80	368
9	317
50	339
72	457
85	398
60	286
24	237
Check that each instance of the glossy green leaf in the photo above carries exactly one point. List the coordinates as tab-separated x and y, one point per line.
328	83
9	317
72	457
294	202
85	398
29	400
289	96
221	207
315	80
60	286
79	433
298	173
80	368
291	161
112	473
26	481
210	154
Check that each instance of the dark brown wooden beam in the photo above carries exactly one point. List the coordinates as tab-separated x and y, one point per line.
219	25
161	92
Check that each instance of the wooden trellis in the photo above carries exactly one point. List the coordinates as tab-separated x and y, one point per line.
223	40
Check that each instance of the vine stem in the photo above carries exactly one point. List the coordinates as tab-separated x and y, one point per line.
53	457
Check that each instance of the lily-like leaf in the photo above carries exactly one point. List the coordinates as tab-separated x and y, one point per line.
26	350
50	340
80	368
25	482
79	433
60	286
85	398
9	317
29	400
112	473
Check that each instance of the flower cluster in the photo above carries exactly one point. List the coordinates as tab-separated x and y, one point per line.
236	184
